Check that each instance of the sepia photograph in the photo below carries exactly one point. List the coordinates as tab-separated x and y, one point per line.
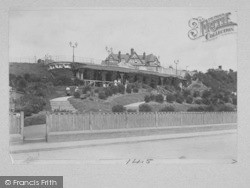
123	85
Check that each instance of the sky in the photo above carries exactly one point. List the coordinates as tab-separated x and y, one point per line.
163	32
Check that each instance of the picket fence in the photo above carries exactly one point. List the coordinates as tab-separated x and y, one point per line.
59	122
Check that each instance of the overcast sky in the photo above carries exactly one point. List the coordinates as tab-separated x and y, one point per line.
163	32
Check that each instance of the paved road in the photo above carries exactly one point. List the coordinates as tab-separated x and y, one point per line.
206	147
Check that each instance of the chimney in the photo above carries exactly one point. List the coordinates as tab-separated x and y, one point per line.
144	56
119	56
220	67
132	51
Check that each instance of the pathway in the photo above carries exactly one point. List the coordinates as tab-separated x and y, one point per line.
62	103
134	106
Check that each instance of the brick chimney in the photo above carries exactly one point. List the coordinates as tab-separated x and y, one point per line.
144	56
132	51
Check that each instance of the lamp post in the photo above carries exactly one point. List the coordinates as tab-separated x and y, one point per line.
73	46
176	62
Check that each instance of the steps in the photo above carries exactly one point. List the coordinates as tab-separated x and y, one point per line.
61	103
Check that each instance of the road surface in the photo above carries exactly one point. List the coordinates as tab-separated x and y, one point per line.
205	148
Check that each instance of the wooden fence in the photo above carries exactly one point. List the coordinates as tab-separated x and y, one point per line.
16	123
59	122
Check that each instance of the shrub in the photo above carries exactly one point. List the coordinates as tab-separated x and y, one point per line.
86	89
135	90
121	88
198	101
206	101
206	94
145	108
167	109
179	100
152	97
159	98
170	98
147	98
196	94
77	95
114	89
189	99
235	100
96	90
102	95
62	80
21	85
128	90
225	108
118	108
209	108
186	93
78	82
196	109
108	91
131	110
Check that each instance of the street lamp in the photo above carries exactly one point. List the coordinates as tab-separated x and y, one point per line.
73	46
176	62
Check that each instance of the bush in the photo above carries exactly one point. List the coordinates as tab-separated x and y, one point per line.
78	82
131	110
170	98
152	97
121	88
135	90
147	98
114	89
128	90
196	109
198	101
235	100
102	95
206	94
145	108
62	80
77	95
189	99
209	108
86	89
21	85
179	100
108	91
206	101
196	94
225	108
159	98
186	93
167	109
118	108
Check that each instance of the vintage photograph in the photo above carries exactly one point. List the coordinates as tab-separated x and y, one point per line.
141	85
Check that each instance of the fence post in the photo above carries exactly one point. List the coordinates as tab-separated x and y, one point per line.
47	124
156	119
181	114
90	122
22	125
126	119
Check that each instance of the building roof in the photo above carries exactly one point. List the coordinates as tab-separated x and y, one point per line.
150	60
